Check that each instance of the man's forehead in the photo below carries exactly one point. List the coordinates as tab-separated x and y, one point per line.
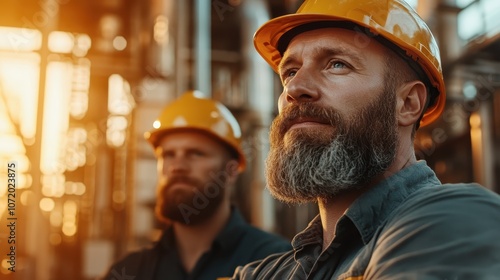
341	36
330	41
188	138
327	28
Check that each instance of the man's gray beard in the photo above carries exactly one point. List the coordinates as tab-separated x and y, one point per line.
315	164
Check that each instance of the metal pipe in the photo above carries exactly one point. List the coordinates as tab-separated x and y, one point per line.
202	46
181	47
261	103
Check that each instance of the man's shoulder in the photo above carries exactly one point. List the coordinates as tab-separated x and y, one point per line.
250	234
258	235
473	195
447	211
436	229
131	263
136	255
257	243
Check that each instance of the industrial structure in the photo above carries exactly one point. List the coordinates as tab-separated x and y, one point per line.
81	81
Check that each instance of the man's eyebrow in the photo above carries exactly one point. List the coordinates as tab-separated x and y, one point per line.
285	61
325	52
353	55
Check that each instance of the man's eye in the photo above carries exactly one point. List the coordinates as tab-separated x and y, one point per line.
197	153
288	74
167	155
338	65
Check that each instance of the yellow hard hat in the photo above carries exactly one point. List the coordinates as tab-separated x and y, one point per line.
393	20
192	111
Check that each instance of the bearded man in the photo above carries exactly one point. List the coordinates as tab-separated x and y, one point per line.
197	143
359	77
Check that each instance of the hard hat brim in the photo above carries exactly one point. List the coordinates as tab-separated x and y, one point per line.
267	36
154	137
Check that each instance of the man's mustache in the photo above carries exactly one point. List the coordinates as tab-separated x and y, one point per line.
178	179
297	112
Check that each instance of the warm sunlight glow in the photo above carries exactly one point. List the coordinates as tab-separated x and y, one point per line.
4	266
11	144
56	117
119	43
160	30
76	153
74	188
47	204
116	131
82	45
61	42
79	101
70	209
26	197
56	218
53	185
475	121
19	76
20	39
476	139
69	229
120	102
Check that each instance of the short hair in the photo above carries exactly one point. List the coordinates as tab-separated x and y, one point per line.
397	72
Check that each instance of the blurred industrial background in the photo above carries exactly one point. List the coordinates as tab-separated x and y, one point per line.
81	81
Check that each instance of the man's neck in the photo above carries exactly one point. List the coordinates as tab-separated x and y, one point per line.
194	240
331	210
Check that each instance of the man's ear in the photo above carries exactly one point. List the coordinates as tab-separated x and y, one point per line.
232	170
411	98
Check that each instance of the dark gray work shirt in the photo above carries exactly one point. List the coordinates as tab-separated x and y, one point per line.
409	226
237	244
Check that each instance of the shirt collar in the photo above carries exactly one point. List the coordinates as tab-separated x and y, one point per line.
227	239
230	235
372	208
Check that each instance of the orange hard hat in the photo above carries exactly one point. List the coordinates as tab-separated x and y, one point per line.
393	20
192	111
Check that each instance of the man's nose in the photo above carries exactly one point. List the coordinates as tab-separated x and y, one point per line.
176	165
300	88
